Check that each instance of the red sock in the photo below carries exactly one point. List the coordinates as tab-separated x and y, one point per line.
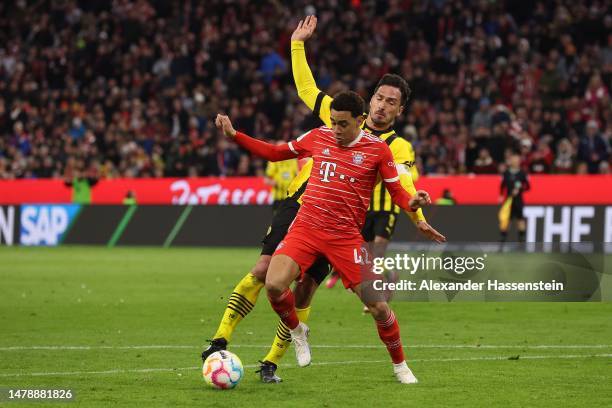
389	333
284	306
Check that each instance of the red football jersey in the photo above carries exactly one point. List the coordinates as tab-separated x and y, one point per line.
342	178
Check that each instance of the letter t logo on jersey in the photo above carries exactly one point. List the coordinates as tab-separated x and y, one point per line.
327	170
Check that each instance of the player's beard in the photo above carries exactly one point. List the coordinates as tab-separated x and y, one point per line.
382	123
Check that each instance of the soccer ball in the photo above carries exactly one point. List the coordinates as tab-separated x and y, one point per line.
222	370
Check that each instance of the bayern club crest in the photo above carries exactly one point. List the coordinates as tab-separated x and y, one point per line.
358	158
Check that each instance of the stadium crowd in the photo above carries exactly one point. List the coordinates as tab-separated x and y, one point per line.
129	88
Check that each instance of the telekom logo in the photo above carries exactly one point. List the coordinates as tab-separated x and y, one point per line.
327	170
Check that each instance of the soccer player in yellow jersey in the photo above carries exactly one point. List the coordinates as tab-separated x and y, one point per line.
386	104
280	175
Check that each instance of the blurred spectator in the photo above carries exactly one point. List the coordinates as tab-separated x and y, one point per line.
484	164
564	160
541	160
133	85
482	118
593	148
582	168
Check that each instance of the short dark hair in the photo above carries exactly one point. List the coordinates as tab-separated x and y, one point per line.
349	101
398	82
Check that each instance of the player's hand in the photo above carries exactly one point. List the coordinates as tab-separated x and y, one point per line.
430	232
223	123
304	29
420	199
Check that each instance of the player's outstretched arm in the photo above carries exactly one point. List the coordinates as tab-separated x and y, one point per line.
307	89
408	185
403	155
417	217
401	197
260	148
388	172
430	232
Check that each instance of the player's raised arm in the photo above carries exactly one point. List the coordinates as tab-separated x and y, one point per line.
307	89
268	151
265	150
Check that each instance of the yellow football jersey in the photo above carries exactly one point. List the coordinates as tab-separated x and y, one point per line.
298	185
283	173
320	103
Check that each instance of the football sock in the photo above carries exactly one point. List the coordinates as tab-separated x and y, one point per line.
503	236
240	304
521	236
389	333
284	306
282	340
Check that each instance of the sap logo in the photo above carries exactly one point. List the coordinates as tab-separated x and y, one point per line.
46	224
7	225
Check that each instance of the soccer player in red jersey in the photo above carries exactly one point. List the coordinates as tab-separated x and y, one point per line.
346	164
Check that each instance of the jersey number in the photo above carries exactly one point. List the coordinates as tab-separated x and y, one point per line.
363	258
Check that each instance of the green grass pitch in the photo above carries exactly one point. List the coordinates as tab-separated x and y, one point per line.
128	325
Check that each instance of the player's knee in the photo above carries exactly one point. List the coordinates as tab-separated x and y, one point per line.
379	310
275	287
260	269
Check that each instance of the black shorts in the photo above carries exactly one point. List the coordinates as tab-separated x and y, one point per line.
283	216
378	224
276	204
516	210
281	220
319	270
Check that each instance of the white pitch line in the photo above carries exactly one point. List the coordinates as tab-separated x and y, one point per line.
324	363
332	346
60	348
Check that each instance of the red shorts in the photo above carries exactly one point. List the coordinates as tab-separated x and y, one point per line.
349	256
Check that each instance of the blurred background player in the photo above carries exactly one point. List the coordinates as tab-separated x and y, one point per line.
514	183
279	175
82	180
446	198
130	198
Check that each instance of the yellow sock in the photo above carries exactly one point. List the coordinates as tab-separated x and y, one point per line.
282	340
241	302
